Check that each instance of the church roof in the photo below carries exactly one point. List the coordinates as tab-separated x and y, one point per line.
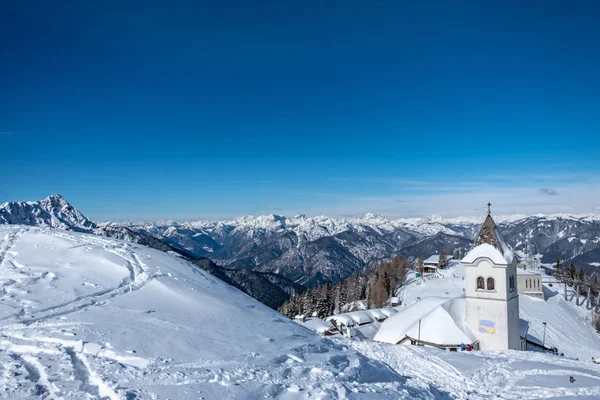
488	240
488	233
442	323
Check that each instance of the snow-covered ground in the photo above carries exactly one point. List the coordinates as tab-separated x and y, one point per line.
487	374
84	317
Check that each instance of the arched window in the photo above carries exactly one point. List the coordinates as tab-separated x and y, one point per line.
480	283
511	281
490	284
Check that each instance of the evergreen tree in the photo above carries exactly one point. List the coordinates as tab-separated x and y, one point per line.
581	276
456	254
558	272
571	273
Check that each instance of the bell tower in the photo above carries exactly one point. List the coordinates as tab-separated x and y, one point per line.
492	300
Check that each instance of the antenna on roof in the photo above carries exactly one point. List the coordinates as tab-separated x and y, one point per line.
489	209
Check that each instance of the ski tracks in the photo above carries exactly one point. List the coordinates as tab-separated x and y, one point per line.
91	383
37	375
138	278
8	242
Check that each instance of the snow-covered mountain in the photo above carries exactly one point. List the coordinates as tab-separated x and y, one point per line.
54	211
312	250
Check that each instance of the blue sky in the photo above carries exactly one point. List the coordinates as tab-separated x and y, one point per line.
198	110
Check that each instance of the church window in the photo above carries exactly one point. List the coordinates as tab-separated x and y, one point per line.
490	284
526	283
480	283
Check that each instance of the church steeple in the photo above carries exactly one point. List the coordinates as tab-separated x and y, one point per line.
489	233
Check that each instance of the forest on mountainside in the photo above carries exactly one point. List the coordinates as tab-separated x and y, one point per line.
375	287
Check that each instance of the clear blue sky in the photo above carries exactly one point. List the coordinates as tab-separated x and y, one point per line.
213	110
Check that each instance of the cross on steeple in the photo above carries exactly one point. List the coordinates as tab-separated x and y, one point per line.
489	210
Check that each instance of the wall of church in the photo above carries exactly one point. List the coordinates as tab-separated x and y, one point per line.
493	315
495	323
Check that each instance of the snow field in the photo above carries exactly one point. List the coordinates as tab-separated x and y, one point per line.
88	317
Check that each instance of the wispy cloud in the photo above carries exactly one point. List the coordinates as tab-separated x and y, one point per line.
549	191
7	133
260	181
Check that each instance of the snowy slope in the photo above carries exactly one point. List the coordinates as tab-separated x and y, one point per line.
90	317
478	375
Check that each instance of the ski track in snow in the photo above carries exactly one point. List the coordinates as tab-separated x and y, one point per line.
25	354
138	277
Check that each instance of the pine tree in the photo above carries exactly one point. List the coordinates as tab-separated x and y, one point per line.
571	273
558	271
581	276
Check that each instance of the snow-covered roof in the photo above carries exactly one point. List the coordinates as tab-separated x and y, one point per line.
527	272
377	313
342	319
442	323
360	317
318	325
432	259
388	311
488	251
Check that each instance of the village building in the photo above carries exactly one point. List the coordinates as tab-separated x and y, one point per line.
492	300
530	283
431	264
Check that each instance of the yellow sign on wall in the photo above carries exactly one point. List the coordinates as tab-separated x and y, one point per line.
486	326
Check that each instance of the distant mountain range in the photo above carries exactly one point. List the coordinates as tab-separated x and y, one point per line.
308	251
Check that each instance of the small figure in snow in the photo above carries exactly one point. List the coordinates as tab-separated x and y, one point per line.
469	347
571	379
463	347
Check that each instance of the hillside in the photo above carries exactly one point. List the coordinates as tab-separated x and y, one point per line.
90	317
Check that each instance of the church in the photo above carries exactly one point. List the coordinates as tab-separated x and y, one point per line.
492	299
485	316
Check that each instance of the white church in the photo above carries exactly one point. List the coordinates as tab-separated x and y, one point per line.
491	297
485	316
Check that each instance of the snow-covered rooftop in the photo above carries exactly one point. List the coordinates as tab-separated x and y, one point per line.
318	325
442	323
487	251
